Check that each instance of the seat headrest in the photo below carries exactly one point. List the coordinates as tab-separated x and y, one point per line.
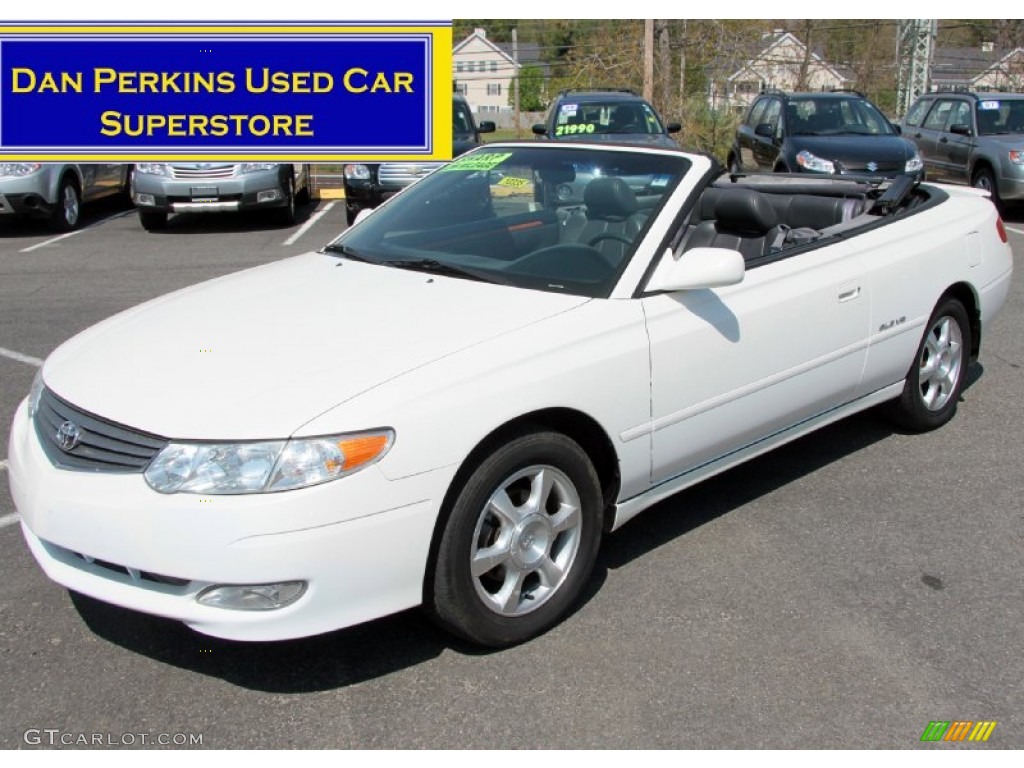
609	198
746	211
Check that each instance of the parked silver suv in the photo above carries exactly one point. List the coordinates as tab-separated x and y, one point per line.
973	138
56	191
180	187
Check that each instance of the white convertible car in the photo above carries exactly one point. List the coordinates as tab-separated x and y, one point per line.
452	402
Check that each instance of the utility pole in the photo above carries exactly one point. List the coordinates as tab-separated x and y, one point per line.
649	59
915	42
515	82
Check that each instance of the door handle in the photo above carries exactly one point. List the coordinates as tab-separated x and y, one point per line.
943	140
848	293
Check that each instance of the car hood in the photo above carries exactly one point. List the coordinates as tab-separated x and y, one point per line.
258	354
855	149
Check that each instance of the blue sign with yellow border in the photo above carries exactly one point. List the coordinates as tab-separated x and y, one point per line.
225	92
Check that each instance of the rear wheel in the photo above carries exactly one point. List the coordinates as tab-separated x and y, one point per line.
66	213
520	542
937	376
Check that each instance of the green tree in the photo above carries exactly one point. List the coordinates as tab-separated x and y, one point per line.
531	90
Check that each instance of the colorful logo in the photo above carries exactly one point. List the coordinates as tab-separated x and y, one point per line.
958	730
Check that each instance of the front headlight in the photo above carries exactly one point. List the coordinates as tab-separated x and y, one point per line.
811	162
357	171
914	164
275	465
154	169
34	394
1017	156
256	167
19	169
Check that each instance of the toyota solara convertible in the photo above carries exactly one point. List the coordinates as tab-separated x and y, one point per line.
450	404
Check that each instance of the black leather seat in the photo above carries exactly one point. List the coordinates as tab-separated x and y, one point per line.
612	211
744	221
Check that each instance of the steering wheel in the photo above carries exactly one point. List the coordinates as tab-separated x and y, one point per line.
610	236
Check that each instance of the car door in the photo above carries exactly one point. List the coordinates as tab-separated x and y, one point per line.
766	147
745	135
927	138
733	365
954	147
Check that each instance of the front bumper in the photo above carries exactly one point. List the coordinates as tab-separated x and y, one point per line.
26	195
360	543
1010	187
253	190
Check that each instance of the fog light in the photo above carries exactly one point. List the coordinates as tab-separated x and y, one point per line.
141	199
267	195
252	597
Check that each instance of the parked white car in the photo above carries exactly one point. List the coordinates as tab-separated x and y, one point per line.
452	402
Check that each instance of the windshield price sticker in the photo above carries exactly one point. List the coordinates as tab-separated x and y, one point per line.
569	109
481	162
569	130
988	105
512	181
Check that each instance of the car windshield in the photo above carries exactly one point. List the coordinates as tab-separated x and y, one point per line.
462	121
997	116
541	217
835	117
576	118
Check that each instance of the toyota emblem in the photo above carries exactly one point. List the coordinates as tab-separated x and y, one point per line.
68	436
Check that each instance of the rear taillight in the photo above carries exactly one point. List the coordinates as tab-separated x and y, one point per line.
1001	229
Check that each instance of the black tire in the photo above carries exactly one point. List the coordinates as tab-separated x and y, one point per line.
983	178
937	375
67	211
734	166
305	195
153	220
286	214
540	563
350	214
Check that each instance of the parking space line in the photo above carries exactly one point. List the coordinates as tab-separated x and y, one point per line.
10	353
308	223
58	238
9	520
1014	230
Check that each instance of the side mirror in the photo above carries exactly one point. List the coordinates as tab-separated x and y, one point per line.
960	129
486	126
697	268
673	128
540	129
898	128
765	130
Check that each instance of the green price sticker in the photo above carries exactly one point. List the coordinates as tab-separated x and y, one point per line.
483	161
512	181
569	130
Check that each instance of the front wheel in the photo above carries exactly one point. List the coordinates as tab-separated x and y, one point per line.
69	207
286	216
520	542
986	180
937	376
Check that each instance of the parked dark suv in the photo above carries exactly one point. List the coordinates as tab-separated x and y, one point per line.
617	115
972	138
367	185
833	132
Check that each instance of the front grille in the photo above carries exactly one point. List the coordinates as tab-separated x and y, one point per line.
133	573
101	445
404	174
225	172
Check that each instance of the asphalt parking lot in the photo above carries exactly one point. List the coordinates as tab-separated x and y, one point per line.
843	591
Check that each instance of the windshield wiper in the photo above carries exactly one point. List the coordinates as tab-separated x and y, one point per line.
441	268
348	253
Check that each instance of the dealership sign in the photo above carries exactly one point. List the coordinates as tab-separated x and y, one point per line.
315	92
